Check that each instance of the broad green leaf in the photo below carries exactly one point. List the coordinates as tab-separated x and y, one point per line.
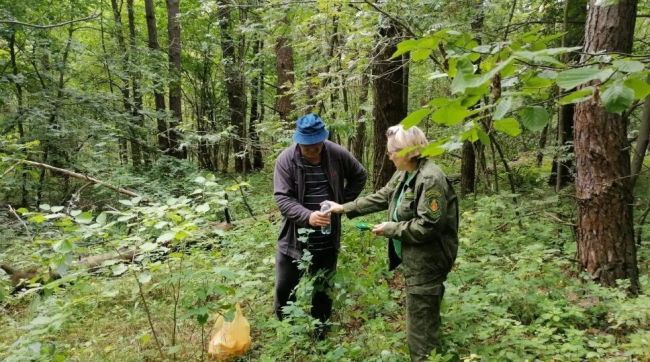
166	237
37	218
144	277
22	211
450	114
577	96
84	218
485	139
126	202
203	208
63	246
470	135
44	207
198	180
537	83
74	213
572	78
617	98
628	66
641	88
509	126
101	219
502	108
534	118
415	118
56	208
119	269
148	246
420	54
432	150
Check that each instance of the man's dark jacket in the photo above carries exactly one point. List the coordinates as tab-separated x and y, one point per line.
346	177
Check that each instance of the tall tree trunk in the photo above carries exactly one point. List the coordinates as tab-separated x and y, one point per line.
284	68
641	142
255	119
126	86
605	232
159	97
139	142
19	111
389	108
235	87
359	140
575	13
175	106
468	156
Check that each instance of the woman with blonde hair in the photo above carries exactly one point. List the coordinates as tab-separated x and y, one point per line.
422	232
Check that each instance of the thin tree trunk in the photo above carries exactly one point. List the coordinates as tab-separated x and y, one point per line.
641	142
605	233
562	170
235	88
256	83
139	138
284	68
19	111
159	97
359	140
175	70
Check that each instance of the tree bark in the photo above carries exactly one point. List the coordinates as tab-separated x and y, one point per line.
641	142
175	70
235	87
284	68
605	234
359	140
389	108
138	115
255	115
159	97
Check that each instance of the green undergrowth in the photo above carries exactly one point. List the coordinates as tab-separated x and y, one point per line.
514	294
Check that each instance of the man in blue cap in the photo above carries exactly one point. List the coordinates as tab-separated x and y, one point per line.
307	173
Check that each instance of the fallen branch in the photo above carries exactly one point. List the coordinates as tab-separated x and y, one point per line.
48	26
81	177
11	210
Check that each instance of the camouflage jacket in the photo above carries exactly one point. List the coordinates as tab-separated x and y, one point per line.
427	226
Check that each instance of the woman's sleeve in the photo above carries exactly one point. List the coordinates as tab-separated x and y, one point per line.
374	202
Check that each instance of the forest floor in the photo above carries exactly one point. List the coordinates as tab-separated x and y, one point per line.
514	294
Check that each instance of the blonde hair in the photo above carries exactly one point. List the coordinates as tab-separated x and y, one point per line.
400	138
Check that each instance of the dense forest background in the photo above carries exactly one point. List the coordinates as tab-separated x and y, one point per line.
138	137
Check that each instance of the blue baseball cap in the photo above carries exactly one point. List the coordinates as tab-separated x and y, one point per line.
310	129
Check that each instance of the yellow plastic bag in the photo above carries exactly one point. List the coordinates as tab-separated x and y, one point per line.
230	339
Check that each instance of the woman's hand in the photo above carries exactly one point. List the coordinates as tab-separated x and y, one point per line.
379	229
335	208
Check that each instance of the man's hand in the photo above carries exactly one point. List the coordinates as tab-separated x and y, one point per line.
318	218
379	229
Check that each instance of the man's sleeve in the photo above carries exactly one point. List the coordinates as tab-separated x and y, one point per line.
286	195
432	205
355	177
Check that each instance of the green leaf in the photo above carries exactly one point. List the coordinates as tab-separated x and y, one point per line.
502	108
450	114
126	202
203	208
470	135
44	207
144	277
84	218
37	218
572	78
577	96
56	208
420	54
63	246
509	126
148	246
101	219
119	269
640	87
617	98
22	211
628	66
166	237
534	118
415	118
485	139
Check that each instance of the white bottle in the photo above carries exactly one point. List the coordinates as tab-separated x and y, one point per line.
327	229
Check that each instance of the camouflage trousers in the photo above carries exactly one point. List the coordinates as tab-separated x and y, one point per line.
423	320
